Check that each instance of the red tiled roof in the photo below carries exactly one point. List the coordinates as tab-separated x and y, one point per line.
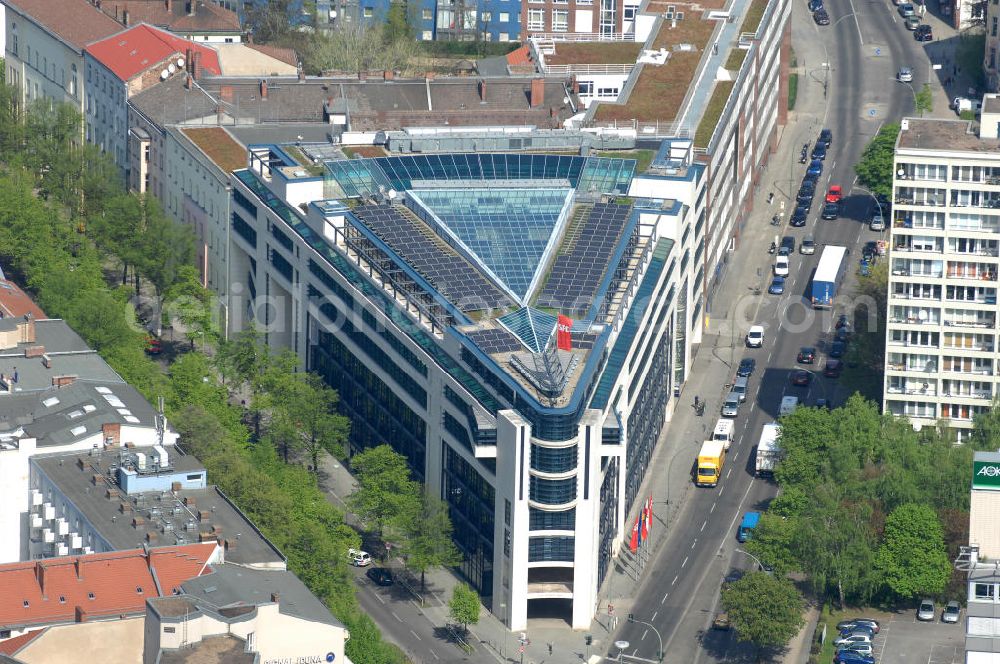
50	591
15	302
173	15
76	22
11	646
520	56
135	50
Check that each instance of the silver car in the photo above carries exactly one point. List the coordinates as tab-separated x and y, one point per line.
877	222
905	75
926	610
731	406
951	612
808	246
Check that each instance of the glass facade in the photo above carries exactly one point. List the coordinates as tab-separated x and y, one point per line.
244	230
470	501
552	492
543	520
609	518
553	459
647	419
550	549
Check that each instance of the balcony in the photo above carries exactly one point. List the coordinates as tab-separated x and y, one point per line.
972	271
911	247
926	274
987	324
915	320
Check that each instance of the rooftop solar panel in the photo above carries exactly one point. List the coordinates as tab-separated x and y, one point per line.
495	341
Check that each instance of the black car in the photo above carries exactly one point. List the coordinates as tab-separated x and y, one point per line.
747	365
805	197
821	17
811	176
831	211
923	33
815	5
819	151
842	334
825	137
870	251
799	216
788	243
807	355
837	349
380	575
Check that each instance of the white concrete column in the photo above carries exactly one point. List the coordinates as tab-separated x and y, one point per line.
513	455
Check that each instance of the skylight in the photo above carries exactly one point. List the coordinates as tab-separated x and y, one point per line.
103	390
75	414
89	408
132	419
78	431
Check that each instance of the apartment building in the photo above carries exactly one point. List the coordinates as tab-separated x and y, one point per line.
981	561
426	288
944	249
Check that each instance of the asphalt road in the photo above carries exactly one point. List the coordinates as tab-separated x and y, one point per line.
864	46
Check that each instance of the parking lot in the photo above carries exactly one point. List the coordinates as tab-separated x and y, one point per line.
906	641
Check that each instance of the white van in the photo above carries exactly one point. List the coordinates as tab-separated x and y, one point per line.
359	558
724	431
788	405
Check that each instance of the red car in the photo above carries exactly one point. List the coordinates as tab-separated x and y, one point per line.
153	346
835	194
833	368
801	378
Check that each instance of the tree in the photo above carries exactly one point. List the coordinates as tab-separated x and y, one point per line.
313	408
463	607
397	23
923	100
242	357
386	496
912	558
773	542
765	609
269	21
429	542
190	303
986	429
875	167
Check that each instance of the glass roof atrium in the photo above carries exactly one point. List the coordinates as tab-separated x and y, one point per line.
510	232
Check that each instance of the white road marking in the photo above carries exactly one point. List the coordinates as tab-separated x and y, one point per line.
415	635
379	598
730	471
643	637
769	355
694	543
713	508
396	617
435	654
735	457
703	524
739	507
654	615
665	596
856	23
673	582
752	406
684	562
721	490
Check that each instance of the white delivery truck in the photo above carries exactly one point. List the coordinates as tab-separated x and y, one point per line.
788	406
768	452
723	431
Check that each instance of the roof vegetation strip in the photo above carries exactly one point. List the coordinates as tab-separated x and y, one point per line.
623	343
754	15
713	112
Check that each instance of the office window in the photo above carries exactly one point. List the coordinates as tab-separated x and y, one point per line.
993	27
369	12
427	14
487	17
629	13
586	87
505	17
536	19
560	20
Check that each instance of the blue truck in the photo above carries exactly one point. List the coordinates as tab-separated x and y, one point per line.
750	521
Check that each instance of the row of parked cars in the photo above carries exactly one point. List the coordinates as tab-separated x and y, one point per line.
855	635
921	31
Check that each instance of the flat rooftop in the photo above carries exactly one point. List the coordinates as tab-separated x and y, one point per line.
178	517
224	649
68	354
216	142
594	53
945	135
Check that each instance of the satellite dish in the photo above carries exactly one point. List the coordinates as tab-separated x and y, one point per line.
922	315
180	62
171	69
164	74
392	193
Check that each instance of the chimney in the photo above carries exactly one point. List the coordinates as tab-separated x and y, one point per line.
170	5
189	82
482	91
204	515
98	4
112	432
34	351
388	75
78	564
574	85
125	17
138	522
196	65
189	501
111	494
302	75
151	537
219	114
62	381
190	7
263	89
537	92
40	576
188	59
275	597
28	330
46	361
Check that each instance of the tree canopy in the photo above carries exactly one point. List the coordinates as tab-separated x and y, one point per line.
912	557
765	609
875	167
386	497
463	607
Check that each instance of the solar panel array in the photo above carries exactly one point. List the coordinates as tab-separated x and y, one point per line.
583	340
495	341
450	274
575	276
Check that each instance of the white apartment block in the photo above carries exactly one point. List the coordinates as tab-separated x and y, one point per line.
941	329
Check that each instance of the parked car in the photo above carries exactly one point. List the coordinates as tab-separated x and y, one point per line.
805	196
821	17
731	406
906	9
799	217
877	223
852	638
823	403
833	368
831	211
863	648
787	245
852	657
852	622
835	193
741	386
926	610
859	629
808	246
152	345
747	365
781	266
951	612
815	4
755	337
721	621
825	138
815	168
923	33
777	286
844	321
801	378
819	151
905	75
807	355
359	558
380	575
837	349
842	334
911	22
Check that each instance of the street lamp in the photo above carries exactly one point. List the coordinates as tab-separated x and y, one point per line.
621	645
659	652
756	559
878	203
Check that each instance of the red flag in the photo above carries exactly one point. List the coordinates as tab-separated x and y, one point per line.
564	340
645	520
633	544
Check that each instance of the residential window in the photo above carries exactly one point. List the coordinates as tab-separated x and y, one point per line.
993	28
608	93
560	20
369	12
629	14
586	88
427	14
504	18
503	36
427	35
536	19
487	17
984	591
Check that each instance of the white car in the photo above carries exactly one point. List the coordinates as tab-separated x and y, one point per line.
860	647
359	558
905	75
755	337
877	222
781	266
854	638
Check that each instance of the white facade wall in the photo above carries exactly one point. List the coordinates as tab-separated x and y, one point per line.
40	64
106	112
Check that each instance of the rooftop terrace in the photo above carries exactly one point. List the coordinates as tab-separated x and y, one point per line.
594	53
946	135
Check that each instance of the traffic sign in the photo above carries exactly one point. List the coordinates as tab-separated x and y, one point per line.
878	51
